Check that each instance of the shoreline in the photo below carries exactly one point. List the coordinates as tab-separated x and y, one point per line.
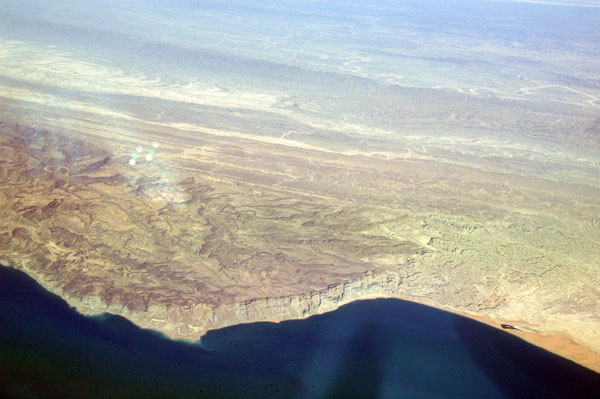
558	343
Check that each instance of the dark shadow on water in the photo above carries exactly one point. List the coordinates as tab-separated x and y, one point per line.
367	349
522	370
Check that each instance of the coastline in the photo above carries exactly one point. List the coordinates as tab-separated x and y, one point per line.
556	342
176	325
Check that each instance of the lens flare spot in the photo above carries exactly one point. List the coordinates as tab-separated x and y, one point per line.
132	162
148	157
155	144
139	148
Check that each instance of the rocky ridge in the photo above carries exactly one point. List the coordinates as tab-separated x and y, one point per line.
226	240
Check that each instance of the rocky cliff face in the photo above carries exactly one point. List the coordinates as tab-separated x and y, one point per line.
231	240
190	323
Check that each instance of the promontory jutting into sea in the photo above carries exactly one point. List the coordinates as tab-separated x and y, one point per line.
200	168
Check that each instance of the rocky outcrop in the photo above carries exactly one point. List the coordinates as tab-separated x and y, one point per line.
192	322
222	247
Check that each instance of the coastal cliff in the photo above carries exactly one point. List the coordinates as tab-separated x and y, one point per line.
226	240
190	323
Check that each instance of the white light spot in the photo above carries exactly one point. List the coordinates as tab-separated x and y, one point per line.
148	157
155	144
132	162
139	148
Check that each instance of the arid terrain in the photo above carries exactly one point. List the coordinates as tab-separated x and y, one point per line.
258	231
233	189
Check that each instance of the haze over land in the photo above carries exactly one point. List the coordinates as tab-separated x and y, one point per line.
305	155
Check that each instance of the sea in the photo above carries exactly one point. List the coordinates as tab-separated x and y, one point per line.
383	348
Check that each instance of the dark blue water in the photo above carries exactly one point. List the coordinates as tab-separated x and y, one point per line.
367	349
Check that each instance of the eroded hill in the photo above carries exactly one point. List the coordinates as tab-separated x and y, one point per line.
215	231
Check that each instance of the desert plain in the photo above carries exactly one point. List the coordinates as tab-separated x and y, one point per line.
208	187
